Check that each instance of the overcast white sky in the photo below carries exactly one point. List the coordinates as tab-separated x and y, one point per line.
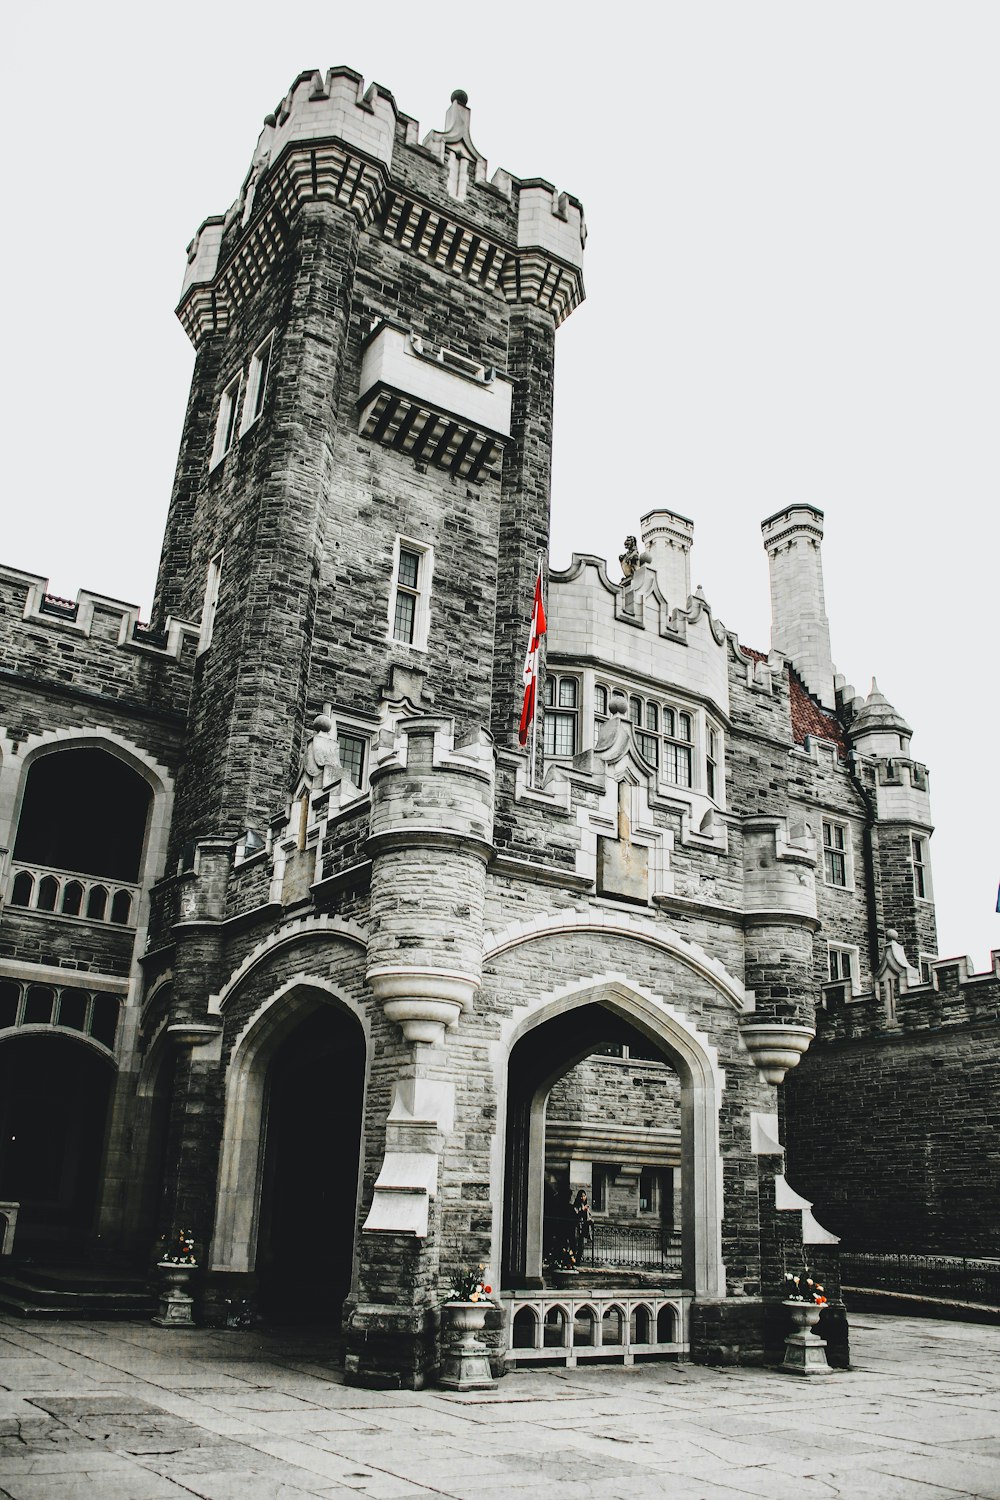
793	279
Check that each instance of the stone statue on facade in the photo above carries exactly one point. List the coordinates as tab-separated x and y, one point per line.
321	760
629	559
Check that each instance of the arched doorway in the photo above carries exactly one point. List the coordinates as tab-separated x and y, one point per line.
605	1015
55	1095
312	1107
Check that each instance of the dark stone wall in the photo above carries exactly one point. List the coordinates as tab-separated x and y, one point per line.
892	1131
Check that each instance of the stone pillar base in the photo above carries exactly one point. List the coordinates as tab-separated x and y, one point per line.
727	1332
389	1348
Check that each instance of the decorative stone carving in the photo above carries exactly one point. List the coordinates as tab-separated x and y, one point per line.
775	1047
629	559
614	735
321	759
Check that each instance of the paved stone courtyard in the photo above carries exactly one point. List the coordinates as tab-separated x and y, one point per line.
132	1412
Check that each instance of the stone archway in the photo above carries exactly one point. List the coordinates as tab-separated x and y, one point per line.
55	1103
519	1162
287	1170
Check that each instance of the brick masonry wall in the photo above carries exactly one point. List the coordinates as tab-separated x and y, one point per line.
65	942
894	1136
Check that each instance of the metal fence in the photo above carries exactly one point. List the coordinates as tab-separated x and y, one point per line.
639	1249
923	1275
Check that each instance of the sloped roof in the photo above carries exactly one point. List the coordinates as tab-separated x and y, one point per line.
806	715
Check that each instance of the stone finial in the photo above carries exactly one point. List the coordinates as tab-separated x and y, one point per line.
455	148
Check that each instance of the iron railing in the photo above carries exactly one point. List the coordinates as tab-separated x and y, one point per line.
642	1249
953	1276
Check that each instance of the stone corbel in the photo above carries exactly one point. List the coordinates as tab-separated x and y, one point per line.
424	1002
775	1047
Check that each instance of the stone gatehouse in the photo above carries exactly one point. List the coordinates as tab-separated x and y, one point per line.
299	948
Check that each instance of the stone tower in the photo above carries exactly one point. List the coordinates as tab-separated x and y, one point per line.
364	471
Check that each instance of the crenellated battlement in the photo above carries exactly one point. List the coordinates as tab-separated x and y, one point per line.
333	139
93	616
952	994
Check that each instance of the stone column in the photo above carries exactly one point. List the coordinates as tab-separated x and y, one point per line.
431	837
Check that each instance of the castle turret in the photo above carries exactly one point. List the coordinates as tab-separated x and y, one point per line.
667	538
880	737
799	626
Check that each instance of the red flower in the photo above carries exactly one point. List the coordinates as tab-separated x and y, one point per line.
487	1290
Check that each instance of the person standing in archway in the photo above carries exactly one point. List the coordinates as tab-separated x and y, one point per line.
583	1224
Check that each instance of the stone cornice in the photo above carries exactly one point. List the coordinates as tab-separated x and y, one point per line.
336	172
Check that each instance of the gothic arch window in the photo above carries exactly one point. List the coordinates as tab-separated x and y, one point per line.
84	811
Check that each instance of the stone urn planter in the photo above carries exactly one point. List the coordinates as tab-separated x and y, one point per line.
176	1303
805	1351
466	1364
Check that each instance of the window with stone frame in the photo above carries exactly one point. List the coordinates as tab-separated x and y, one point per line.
836	853
601	1176
226	424
667	736
664	736
921	868
842	963
260	369
713	741
648	1194
560	724
409	594
213	587
353	748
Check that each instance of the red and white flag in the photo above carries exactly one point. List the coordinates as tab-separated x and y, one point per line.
531	662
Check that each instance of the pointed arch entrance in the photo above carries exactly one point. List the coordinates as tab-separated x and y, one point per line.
543	1047
289	1176
55	1098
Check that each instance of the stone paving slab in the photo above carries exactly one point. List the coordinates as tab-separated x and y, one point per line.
131	1412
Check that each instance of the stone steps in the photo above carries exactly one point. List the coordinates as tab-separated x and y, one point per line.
61	1292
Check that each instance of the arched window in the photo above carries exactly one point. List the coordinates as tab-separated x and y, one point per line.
97	903
665	1324
38	1005
72	899
24	884
10	999
104	1019
121	908
48	893
84	810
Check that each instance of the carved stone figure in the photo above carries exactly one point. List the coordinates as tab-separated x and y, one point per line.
629	559
321	761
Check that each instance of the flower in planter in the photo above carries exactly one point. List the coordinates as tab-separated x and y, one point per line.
178	1249
470	1286
804	1288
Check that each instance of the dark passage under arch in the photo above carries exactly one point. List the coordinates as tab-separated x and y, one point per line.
545	1053
54	1099
84	810
305	1242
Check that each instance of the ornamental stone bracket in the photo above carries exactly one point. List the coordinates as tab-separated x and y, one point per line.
775	1047
424	1002
421	1117
813	1233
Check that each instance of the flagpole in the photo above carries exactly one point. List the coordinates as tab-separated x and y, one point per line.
534	717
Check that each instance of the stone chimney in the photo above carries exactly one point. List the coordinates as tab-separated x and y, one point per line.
666	542
799	627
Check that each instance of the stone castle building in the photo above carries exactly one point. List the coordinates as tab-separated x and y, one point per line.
297	951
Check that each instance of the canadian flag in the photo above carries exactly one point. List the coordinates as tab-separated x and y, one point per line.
531	662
